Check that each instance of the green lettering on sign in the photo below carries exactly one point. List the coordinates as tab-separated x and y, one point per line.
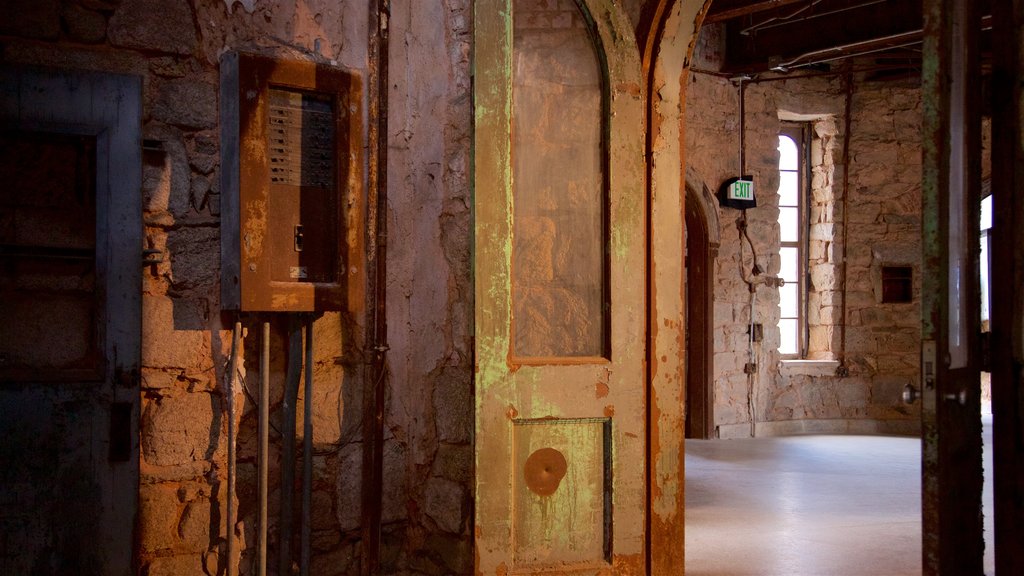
741	190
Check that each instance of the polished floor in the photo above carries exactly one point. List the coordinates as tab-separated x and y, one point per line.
808	506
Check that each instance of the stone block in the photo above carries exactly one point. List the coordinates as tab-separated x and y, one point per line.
348	494
158	517
176	565
820	338
165	174
888	390
164	345
449	554
31	19
342	561
83	25
852	394
194	253
454	462
186	102
159	379
328	405
877	316
194	527
180	429
445	503
823	277
453	405
200	192
154	25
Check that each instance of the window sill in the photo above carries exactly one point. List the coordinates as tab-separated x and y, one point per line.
808	367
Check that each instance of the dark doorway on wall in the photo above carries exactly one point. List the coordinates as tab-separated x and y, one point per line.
700	258
70	295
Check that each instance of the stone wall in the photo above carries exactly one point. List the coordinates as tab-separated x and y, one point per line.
882	340
175	48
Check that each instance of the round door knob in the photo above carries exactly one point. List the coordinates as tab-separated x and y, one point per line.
909	394
959	397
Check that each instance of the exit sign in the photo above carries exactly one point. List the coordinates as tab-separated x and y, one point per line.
741	190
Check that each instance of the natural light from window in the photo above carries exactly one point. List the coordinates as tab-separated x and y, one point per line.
789	252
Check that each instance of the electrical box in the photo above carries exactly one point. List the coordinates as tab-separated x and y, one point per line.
291	186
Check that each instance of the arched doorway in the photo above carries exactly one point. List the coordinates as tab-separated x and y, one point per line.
702	241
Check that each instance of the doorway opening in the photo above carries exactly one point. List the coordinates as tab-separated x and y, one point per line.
702	243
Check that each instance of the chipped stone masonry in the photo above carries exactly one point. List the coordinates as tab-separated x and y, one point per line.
175	48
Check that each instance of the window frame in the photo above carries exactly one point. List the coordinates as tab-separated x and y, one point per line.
799	133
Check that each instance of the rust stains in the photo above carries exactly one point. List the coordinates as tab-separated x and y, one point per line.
631	88
628	564
502	570
544	470
609	410
601	389
512	413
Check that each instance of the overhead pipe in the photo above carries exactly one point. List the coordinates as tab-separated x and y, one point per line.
747	10
377	339
782	19
862	48
791	19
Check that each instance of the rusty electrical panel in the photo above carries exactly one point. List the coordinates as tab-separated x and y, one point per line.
291	210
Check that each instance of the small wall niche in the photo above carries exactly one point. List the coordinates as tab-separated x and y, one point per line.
897	284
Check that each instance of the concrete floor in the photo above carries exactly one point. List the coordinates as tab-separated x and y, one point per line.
808	506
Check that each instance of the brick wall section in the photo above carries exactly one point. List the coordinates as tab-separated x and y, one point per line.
882	342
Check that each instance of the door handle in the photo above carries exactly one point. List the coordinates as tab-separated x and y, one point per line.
959	397
910	394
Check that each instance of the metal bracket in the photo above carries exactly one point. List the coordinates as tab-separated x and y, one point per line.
152	256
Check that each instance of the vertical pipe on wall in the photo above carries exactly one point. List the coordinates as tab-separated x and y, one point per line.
236	340
843	370
263	431
373	424
307	455
291	394
743	129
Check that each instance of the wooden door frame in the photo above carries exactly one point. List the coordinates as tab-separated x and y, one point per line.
951	470
667	35
109	107
702	242
1007	282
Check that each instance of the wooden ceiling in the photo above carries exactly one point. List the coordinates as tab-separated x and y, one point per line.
789	35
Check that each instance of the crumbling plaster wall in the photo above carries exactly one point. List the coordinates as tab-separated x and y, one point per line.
175	47
428	461
882	340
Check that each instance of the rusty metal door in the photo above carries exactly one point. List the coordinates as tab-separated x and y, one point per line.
951	396
70	289
559	262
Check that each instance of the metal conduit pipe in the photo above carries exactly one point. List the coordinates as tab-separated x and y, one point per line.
862	48
783	21
236	341
307	456
288	402
843	369
377	338
263	431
